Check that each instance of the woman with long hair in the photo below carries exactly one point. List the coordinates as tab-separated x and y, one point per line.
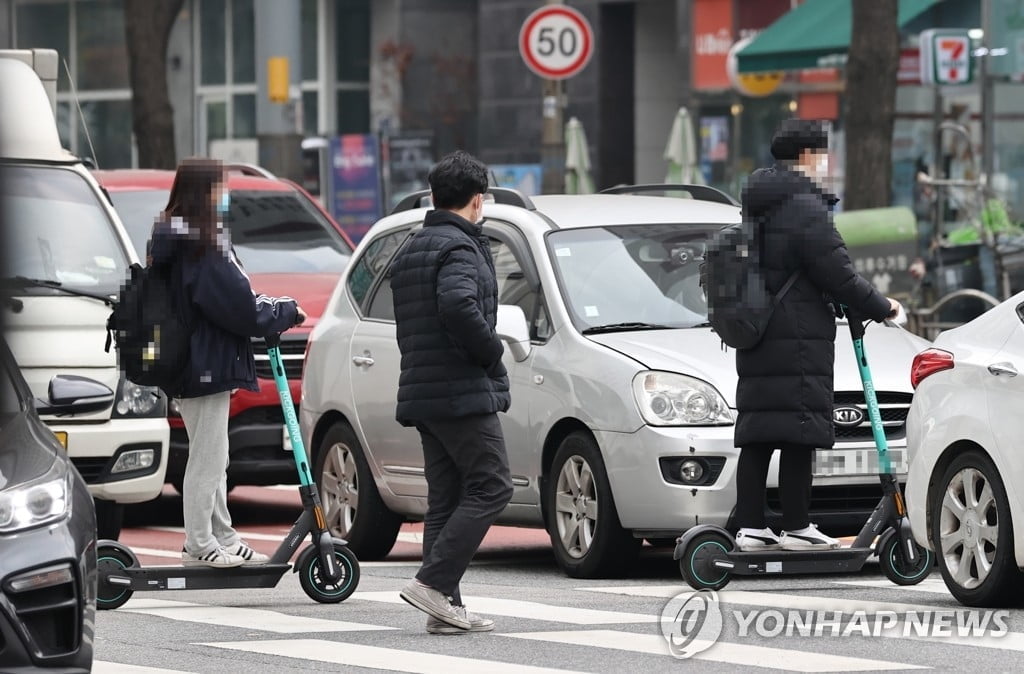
215	299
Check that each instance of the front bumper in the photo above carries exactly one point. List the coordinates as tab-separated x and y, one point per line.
94	447
652	506
50	627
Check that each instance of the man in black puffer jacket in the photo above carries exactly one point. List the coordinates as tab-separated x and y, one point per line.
452	386
784	394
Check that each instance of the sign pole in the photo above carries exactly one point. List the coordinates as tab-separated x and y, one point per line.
553	134
987	103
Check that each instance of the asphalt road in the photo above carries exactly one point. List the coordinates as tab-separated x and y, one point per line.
544	620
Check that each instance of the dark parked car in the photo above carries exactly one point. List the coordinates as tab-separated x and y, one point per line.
47	528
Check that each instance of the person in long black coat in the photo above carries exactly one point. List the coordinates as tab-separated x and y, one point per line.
785	390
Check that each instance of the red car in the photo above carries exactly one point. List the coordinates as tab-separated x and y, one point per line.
289	245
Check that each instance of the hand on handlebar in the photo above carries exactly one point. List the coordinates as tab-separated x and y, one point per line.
300	315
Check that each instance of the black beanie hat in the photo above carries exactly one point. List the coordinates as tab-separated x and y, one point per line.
796	135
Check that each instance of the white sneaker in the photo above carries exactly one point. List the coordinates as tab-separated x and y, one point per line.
217	558
250	556
751	540
808	538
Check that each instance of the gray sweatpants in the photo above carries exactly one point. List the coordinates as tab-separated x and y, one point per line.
207	521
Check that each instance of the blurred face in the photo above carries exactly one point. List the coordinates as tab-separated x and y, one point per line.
220	198
814	164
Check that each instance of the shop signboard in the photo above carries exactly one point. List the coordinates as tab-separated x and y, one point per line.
355	182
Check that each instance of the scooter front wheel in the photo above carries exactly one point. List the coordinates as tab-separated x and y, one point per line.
697	562
900	570
112	558
317	586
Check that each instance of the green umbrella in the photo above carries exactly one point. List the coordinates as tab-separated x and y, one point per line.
577	160
681	152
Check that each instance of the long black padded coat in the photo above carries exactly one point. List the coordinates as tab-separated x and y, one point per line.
446	305
785	390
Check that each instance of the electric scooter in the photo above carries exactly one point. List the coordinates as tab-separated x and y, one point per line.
708	557
328	570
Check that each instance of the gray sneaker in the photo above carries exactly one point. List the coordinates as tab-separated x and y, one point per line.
476	623
434	603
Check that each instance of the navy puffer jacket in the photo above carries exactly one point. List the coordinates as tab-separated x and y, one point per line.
446	305
217	302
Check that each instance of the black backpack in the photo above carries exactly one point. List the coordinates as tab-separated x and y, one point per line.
151	335
739	304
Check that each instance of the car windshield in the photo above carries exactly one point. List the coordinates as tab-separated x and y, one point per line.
272	231
632	277
57	230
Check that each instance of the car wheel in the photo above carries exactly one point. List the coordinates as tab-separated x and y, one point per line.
352	504
583	523
109	518
973	533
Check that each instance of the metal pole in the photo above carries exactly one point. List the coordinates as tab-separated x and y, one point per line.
987	99
553	134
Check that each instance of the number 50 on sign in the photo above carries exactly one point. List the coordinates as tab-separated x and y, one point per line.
946	57
556	42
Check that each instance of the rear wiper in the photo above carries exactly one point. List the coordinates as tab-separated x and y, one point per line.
624	327
25	282
701	325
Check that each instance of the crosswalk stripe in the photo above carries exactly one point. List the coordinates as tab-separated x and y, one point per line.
376	657
247	618
773	599
101	667
1009	641
515	608
934	585
722	651
154	552
404	536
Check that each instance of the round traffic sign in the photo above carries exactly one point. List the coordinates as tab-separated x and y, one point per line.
556	42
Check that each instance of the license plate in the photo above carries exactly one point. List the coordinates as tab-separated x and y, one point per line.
286	439
62	437
838	462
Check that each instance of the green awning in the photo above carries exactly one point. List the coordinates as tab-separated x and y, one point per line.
815	30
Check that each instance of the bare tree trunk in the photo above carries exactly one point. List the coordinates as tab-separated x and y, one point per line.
148	29
871	103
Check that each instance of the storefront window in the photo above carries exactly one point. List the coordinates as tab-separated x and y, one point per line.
212	36
243	43
244	116
309	113
216	120
45	26
353	40
110	128
353	111
102	52
310	67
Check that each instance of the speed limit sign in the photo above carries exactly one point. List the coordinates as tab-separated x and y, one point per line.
556	42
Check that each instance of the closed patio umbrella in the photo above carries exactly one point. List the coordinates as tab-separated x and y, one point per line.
681	152
577	160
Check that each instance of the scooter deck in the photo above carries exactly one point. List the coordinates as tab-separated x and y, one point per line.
769	562
149	578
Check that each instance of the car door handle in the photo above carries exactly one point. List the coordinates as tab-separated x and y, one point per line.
1003	368
362	361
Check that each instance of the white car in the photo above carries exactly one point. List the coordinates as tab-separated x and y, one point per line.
623	400
965	434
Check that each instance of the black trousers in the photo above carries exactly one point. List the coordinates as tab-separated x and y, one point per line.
795	475
468	485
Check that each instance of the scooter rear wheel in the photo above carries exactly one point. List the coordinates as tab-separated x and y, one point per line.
696	563
318	587
897	568
112	558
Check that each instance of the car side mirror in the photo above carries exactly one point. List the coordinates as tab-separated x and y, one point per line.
513	330
71	394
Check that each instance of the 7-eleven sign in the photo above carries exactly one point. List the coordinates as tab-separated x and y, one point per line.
946	57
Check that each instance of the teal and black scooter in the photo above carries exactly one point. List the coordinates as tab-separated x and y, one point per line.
328	570
708	557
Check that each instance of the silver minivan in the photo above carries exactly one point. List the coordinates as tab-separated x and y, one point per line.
623	399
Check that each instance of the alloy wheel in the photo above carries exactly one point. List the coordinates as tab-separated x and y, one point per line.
969	528
339	488
576	506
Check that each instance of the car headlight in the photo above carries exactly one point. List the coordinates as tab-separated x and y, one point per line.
669	399
139	401
41	501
